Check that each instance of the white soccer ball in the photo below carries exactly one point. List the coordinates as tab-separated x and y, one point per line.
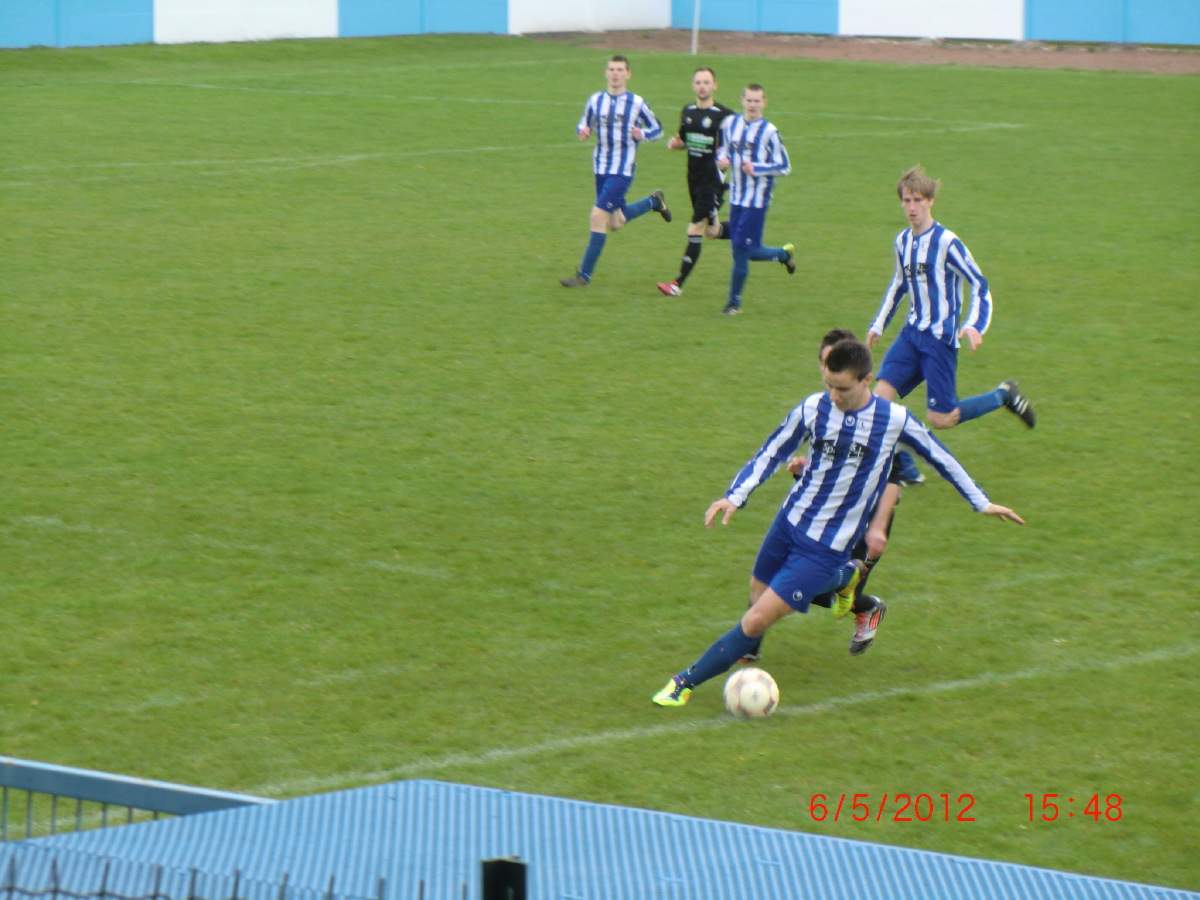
751	694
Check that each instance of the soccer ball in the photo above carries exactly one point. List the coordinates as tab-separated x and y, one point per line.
751	694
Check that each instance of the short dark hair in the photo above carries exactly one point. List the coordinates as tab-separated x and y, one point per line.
849	355
707	69
621	59
754	86
833	336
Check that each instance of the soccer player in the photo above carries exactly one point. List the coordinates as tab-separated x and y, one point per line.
620	120
806	552
931	265
699	131
753	152
868	609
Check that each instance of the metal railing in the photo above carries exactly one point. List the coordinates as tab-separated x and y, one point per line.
39	799
102	799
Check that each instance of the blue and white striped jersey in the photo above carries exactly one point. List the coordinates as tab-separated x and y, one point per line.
612	119
759	143
932	267
834	498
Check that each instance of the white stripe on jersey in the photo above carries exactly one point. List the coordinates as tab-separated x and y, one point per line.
834	499
612	120
757	142
931	266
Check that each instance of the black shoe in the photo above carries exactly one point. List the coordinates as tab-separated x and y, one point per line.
577	281
790	262
1018	403
866	623
663	210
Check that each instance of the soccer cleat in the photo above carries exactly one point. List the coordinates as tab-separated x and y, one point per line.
906	469
674	693
790	262
577	281
866	623
1019	403
731	310
670	288
844	598
663	210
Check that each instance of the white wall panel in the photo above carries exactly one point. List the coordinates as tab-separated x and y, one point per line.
181	21
1000	19
525	16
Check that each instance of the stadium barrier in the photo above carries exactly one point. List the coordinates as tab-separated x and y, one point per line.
26	787
71	23
503	879
163	884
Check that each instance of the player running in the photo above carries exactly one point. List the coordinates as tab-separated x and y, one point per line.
620	120
699	133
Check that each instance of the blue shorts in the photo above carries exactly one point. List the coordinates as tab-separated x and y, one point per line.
611	191
918	356
795	566
746	227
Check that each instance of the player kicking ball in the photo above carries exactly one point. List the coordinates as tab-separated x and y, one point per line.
853	435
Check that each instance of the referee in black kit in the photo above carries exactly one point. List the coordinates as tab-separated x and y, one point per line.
699	131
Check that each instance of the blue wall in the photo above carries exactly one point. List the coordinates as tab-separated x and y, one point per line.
795	16
1136	21
361	18
75	23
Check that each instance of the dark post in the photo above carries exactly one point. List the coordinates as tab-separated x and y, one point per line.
504	879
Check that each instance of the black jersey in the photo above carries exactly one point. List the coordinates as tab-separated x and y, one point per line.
700	131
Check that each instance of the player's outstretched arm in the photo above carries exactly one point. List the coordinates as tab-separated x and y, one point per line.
1002	512
719	505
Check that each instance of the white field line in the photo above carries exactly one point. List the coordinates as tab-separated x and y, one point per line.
939	126
433	765
202	540
342	71
216	167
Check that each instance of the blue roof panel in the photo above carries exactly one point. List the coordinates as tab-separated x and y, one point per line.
426	838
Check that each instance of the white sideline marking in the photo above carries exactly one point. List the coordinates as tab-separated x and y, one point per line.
267	164
365	95
429	765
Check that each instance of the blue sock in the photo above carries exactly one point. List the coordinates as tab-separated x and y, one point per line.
638	208
728	649
737	280
758	254
974	407
592	254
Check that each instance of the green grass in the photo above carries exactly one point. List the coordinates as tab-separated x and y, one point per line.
314	476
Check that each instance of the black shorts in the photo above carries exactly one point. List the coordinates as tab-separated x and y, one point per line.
707	197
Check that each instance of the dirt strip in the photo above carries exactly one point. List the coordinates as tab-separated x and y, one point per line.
1021	54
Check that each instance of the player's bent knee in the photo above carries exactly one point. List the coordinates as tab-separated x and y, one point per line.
768	609
944	420
885	390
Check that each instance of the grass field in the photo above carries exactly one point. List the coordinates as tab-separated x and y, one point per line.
314	476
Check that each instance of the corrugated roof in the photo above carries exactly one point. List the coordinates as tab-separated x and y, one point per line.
430	836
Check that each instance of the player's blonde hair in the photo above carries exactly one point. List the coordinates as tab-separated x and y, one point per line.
916	181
